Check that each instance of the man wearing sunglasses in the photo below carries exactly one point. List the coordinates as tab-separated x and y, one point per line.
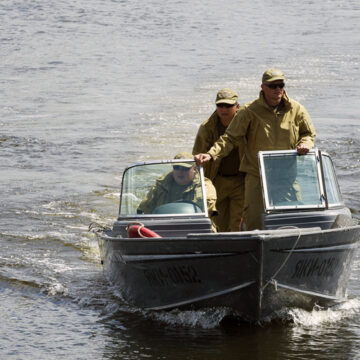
271	122
223	172
182	183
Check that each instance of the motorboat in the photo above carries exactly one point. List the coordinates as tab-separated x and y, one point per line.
168	257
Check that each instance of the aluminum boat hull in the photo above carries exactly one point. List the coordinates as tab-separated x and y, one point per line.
255	274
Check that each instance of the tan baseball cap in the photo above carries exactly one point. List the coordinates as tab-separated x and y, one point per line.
272	75
226	96
184	155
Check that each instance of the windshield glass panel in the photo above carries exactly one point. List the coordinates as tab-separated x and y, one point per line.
162	188
332	187
292	181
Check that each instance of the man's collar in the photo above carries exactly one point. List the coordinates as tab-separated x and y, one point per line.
284	101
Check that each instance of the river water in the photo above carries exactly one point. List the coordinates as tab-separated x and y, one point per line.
88	87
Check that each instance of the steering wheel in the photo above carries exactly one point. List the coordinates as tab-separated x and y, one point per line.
178	207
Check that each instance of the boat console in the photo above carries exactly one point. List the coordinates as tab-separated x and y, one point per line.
301	190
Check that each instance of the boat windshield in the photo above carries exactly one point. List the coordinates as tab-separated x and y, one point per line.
292	181
333	193
158	188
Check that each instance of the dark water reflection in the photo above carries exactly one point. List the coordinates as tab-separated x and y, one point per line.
232	340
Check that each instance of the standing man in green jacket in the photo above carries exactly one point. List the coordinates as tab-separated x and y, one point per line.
223	172
271	122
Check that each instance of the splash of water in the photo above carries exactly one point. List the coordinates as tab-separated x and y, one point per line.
321	316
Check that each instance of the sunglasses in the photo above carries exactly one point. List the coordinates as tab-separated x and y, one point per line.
182	168
228	106
274	86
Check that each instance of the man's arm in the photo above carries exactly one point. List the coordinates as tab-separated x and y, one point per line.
220	149
234	136
149	203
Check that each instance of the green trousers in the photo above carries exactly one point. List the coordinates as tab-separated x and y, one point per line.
230	201
253	203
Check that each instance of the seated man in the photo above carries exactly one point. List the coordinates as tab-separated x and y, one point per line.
183	183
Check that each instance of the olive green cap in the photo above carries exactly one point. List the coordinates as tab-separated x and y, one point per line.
226	96
272	75
184	155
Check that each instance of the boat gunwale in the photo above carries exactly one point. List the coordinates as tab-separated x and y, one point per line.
265	235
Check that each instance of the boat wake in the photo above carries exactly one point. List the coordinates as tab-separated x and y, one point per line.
206	318
321	316
114	305
214	317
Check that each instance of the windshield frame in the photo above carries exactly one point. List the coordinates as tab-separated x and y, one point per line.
268	206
